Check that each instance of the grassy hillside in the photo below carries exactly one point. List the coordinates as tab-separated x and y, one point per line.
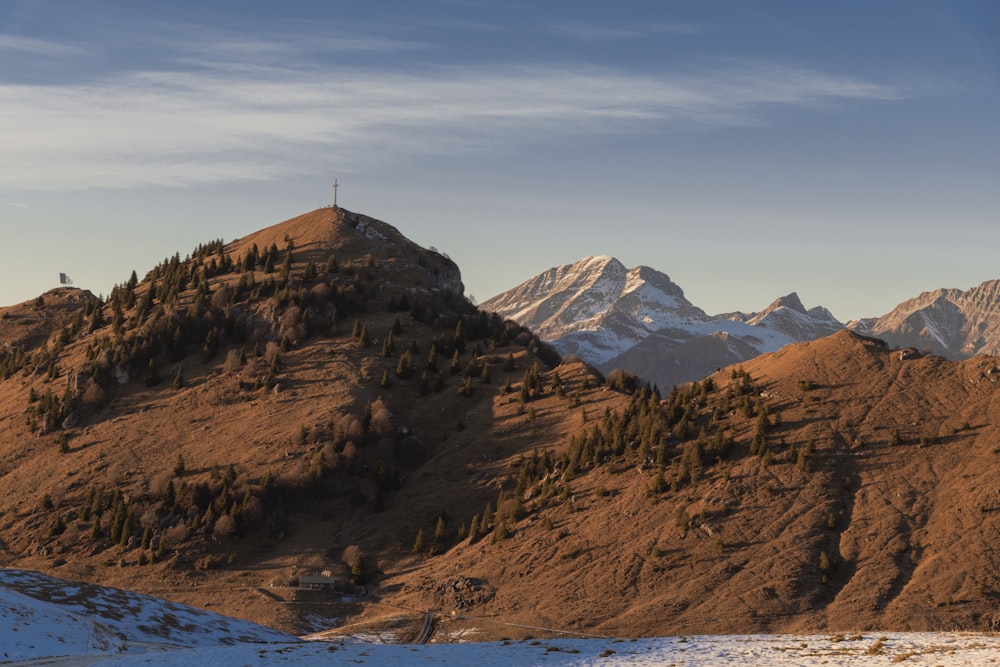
319	397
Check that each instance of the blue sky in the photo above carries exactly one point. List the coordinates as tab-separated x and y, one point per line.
847	151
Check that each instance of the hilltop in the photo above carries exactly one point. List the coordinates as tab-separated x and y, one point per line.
835	484
319	397
248	405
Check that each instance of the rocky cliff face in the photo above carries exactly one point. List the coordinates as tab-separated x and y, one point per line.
951	323
639	320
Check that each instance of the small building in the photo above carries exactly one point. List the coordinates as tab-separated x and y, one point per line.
317	582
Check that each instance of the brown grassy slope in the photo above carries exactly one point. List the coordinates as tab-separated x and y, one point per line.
871	504
222	424
31	323
907	521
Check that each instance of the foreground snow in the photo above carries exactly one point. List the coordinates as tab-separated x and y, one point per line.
945	649
44	620
45	617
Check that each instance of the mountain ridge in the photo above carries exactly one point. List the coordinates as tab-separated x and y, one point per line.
953	323
256	414
638	319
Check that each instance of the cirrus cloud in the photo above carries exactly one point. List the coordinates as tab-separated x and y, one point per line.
247	122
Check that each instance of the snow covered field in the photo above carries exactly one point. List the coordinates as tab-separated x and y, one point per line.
48	621
943	649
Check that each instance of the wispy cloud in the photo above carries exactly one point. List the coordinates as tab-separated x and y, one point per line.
229	123
592	32
38	47
17	204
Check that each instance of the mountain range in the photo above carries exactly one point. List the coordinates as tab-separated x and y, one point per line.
638	320
312	429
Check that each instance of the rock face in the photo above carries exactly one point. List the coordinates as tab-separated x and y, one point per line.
639	320
952	323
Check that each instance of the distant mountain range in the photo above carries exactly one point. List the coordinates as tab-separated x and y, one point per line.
639	320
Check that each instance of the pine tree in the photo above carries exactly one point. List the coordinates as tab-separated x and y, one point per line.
405	366
153	374
388	346
432	359
439	530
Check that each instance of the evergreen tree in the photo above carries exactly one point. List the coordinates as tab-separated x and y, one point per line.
432	359
439	530
405	366
153	374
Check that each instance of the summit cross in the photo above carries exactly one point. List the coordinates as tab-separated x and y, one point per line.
335	186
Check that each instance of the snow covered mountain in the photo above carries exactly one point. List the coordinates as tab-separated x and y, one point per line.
639	320
951	323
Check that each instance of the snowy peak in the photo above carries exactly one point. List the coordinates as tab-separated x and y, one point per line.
787	315
597	294
612	317
789	301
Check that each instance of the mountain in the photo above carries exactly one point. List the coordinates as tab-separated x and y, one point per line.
310	428
639	320
949	322
833	484
277	406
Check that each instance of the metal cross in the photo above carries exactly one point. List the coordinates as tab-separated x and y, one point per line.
335	186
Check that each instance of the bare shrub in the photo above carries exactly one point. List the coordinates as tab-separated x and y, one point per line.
225	526
316	433
271	351
292	325
351	554
381	423
174	535
253	511
116	473
252	367
149	519
352	429
232	362
223	297
158	486
93	394
349	457
321	292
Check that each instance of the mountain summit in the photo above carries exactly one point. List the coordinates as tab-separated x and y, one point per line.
953	323
639	320
596	308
